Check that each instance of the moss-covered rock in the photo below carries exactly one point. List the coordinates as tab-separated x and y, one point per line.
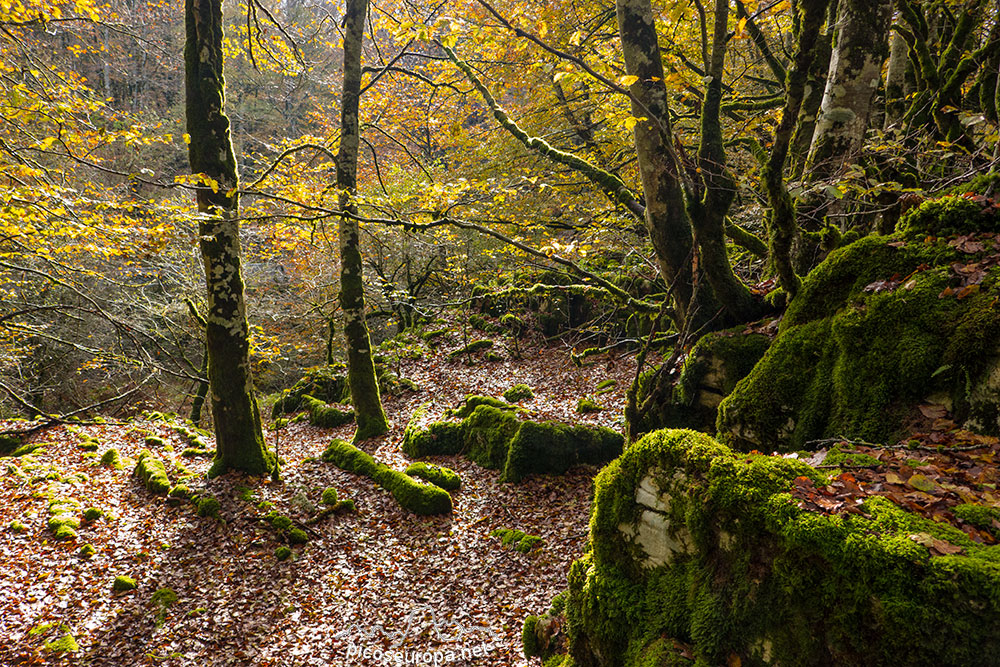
123	584
492	435
329	496
282	553
325	383
409	493
880	326
446	478
710	371
112	459
947	216
9	443
93	513
152	472
207	506
517	540
325	416
87	551
693	542
519	392
297	536
472	348
587	405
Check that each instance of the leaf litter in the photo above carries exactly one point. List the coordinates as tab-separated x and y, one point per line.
382	579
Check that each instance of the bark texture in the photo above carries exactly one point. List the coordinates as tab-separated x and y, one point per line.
860	48
361	376
239	440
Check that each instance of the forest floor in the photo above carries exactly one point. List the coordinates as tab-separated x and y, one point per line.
381	582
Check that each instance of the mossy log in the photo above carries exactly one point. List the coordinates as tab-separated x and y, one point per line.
325	416
693	542
411	494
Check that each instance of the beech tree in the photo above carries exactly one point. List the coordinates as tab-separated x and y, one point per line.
361	377
236	417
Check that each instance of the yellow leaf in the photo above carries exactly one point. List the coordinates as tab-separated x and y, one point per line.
576	38
543	28
187	138
741	28
628	80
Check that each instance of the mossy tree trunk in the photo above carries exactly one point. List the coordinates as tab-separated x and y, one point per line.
361	376
860	48
683	218
782	221
239	440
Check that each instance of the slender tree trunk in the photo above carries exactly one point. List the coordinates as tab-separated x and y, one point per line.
239	440
360	366
783	227
855	72
709	221
812	95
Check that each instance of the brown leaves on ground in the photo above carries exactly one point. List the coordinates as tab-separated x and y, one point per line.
382	579
928	474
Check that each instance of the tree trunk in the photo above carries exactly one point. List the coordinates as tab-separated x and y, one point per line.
239	440
855	71
665	215
812	95
361	377
895	81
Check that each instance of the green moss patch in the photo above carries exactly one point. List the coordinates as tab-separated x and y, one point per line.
519	392
111	459
87	551
282	553
472	348
408	492
207	506
163	599
65	644
878	327
693	542
123	584
587	405
517	540
492	435
325	383
446	478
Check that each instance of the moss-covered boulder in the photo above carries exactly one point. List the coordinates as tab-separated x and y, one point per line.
693	542
411	494
325	383
709	372
879	327
325	416
493	435
446	478
152	472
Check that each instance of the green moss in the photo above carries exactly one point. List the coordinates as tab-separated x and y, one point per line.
154	441
179	491
207	506
472	348
606	386
326	383
844	456
123	584
279	521
746	572
111	459
980	516
487	433
529	642
410	494
519	392
17	527
587	405
330	496
711	370
446	478
163	599
152	472
553	448
473	401
518	540
89	445
191	452
854	355
26	449
948	216
87	551
65	644
282	553
64	532
325	416
437	438
93	514
8	443
297	536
